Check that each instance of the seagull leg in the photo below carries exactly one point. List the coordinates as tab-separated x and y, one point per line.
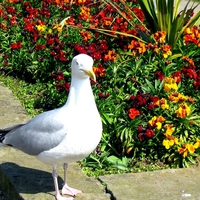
66	189
55	179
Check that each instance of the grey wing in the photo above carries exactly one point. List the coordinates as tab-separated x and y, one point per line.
41	133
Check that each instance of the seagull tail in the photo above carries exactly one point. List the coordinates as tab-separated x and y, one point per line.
2	136
4	131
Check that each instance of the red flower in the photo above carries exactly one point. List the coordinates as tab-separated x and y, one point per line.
16	45
141	136
159	75
133	112
178	75
149	133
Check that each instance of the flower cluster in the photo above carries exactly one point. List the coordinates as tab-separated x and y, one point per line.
192	35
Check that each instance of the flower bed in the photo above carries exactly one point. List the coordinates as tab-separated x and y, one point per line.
147	91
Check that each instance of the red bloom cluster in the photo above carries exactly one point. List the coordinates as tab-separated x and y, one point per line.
143	100
61	85
96	50
16	45
190	71
57	47
144	133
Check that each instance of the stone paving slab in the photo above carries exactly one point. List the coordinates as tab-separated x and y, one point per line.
172	184
23	177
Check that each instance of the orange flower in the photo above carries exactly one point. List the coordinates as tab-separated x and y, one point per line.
85	13
189	60
162	103
86	35
187	148
138	47
177	97
156	122
110	56
99	71
160	36
133	112
169	130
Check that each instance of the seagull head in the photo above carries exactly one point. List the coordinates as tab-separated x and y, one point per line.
82	67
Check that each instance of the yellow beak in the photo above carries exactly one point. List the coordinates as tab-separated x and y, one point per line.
91	74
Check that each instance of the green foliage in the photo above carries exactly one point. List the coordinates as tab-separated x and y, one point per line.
166	16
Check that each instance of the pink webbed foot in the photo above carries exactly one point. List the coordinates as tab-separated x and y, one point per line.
70	191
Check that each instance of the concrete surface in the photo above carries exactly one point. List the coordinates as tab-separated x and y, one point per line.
173	184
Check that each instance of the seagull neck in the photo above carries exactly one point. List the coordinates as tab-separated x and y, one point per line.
80	93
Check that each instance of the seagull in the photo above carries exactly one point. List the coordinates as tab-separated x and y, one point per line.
63	135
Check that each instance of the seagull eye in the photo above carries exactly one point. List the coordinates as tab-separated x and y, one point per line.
77	63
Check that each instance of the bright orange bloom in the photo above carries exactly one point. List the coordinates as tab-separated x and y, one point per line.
183	111
137	47
166	51
111	56
133	112
70	21
58	27
189	60
192	35
85	13
86	35
160	36
99	71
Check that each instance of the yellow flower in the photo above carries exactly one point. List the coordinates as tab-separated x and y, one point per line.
188	31
41	28
182	111
190	148
170	83
156	122
166	144
158	125
177	97
152	121
197	144
50	31
183	151
169	129
58	27
162	103
187	148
